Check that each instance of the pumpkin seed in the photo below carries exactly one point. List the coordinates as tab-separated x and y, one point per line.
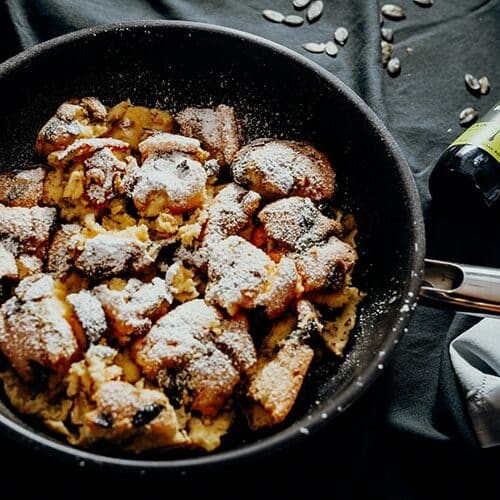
393	11
273	15
472	83
484	85
386	49
315	48
300	4
467	116
424	3
293	20
394	66
341	35
331	49
387	34
315	10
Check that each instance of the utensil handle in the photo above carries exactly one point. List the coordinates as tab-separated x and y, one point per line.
461	287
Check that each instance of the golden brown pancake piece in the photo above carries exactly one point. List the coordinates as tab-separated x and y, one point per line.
34	328
23	188
277	168
74	119
217	129
198	354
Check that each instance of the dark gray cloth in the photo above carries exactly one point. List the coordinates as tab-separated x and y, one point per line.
402	439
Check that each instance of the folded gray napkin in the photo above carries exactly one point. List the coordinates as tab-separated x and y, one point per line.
475	356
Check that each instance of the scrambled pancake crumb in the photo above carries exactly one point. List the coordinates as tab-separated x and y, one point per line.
159	279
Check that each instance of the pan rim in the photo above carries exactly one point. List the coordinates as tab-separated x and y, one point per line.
349	394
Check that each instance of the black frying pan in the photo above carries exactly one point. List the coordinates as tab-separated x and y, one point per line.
280	94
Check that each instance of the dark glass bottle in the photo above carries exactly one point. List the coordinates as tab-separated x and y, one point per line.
466	178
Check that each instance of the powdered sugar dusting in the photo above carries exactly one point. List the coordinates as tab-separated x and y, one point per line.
296	223
217	129
106	176
131	311
237	274
90	314
111	254
276	168
177	175
84	148
28	227
197	350
8	266
33	328
168	143
230	212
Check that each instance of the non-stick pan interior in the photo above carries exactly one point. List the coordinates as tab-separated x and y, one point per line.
278	94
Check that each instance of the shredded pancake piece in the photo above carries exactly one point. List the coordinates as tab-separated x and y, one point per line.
295	223
8	266
26	230
143	418
241	275
74	119
191	351
281	368
88	315
131	311
169	182
114	253
229	213
132	123
62	249
217	129
102	166
159	143
23	188
325	266
84	148
277	168
233	339
34	328
176	337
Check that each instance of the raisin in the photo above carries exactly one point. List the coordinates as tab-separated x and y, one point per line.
147	414
40	376
104	420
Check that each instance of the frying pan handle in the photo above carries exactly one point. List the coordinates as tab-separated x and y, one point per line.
461	287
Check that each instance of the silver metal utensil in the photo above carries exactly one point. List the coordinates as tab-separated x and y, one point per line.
462	287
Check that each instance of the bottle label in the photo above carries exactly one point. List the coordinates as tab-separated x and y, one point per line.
484	134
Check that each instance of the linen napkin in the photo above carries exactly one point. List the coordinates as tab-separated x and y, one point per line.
475	356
